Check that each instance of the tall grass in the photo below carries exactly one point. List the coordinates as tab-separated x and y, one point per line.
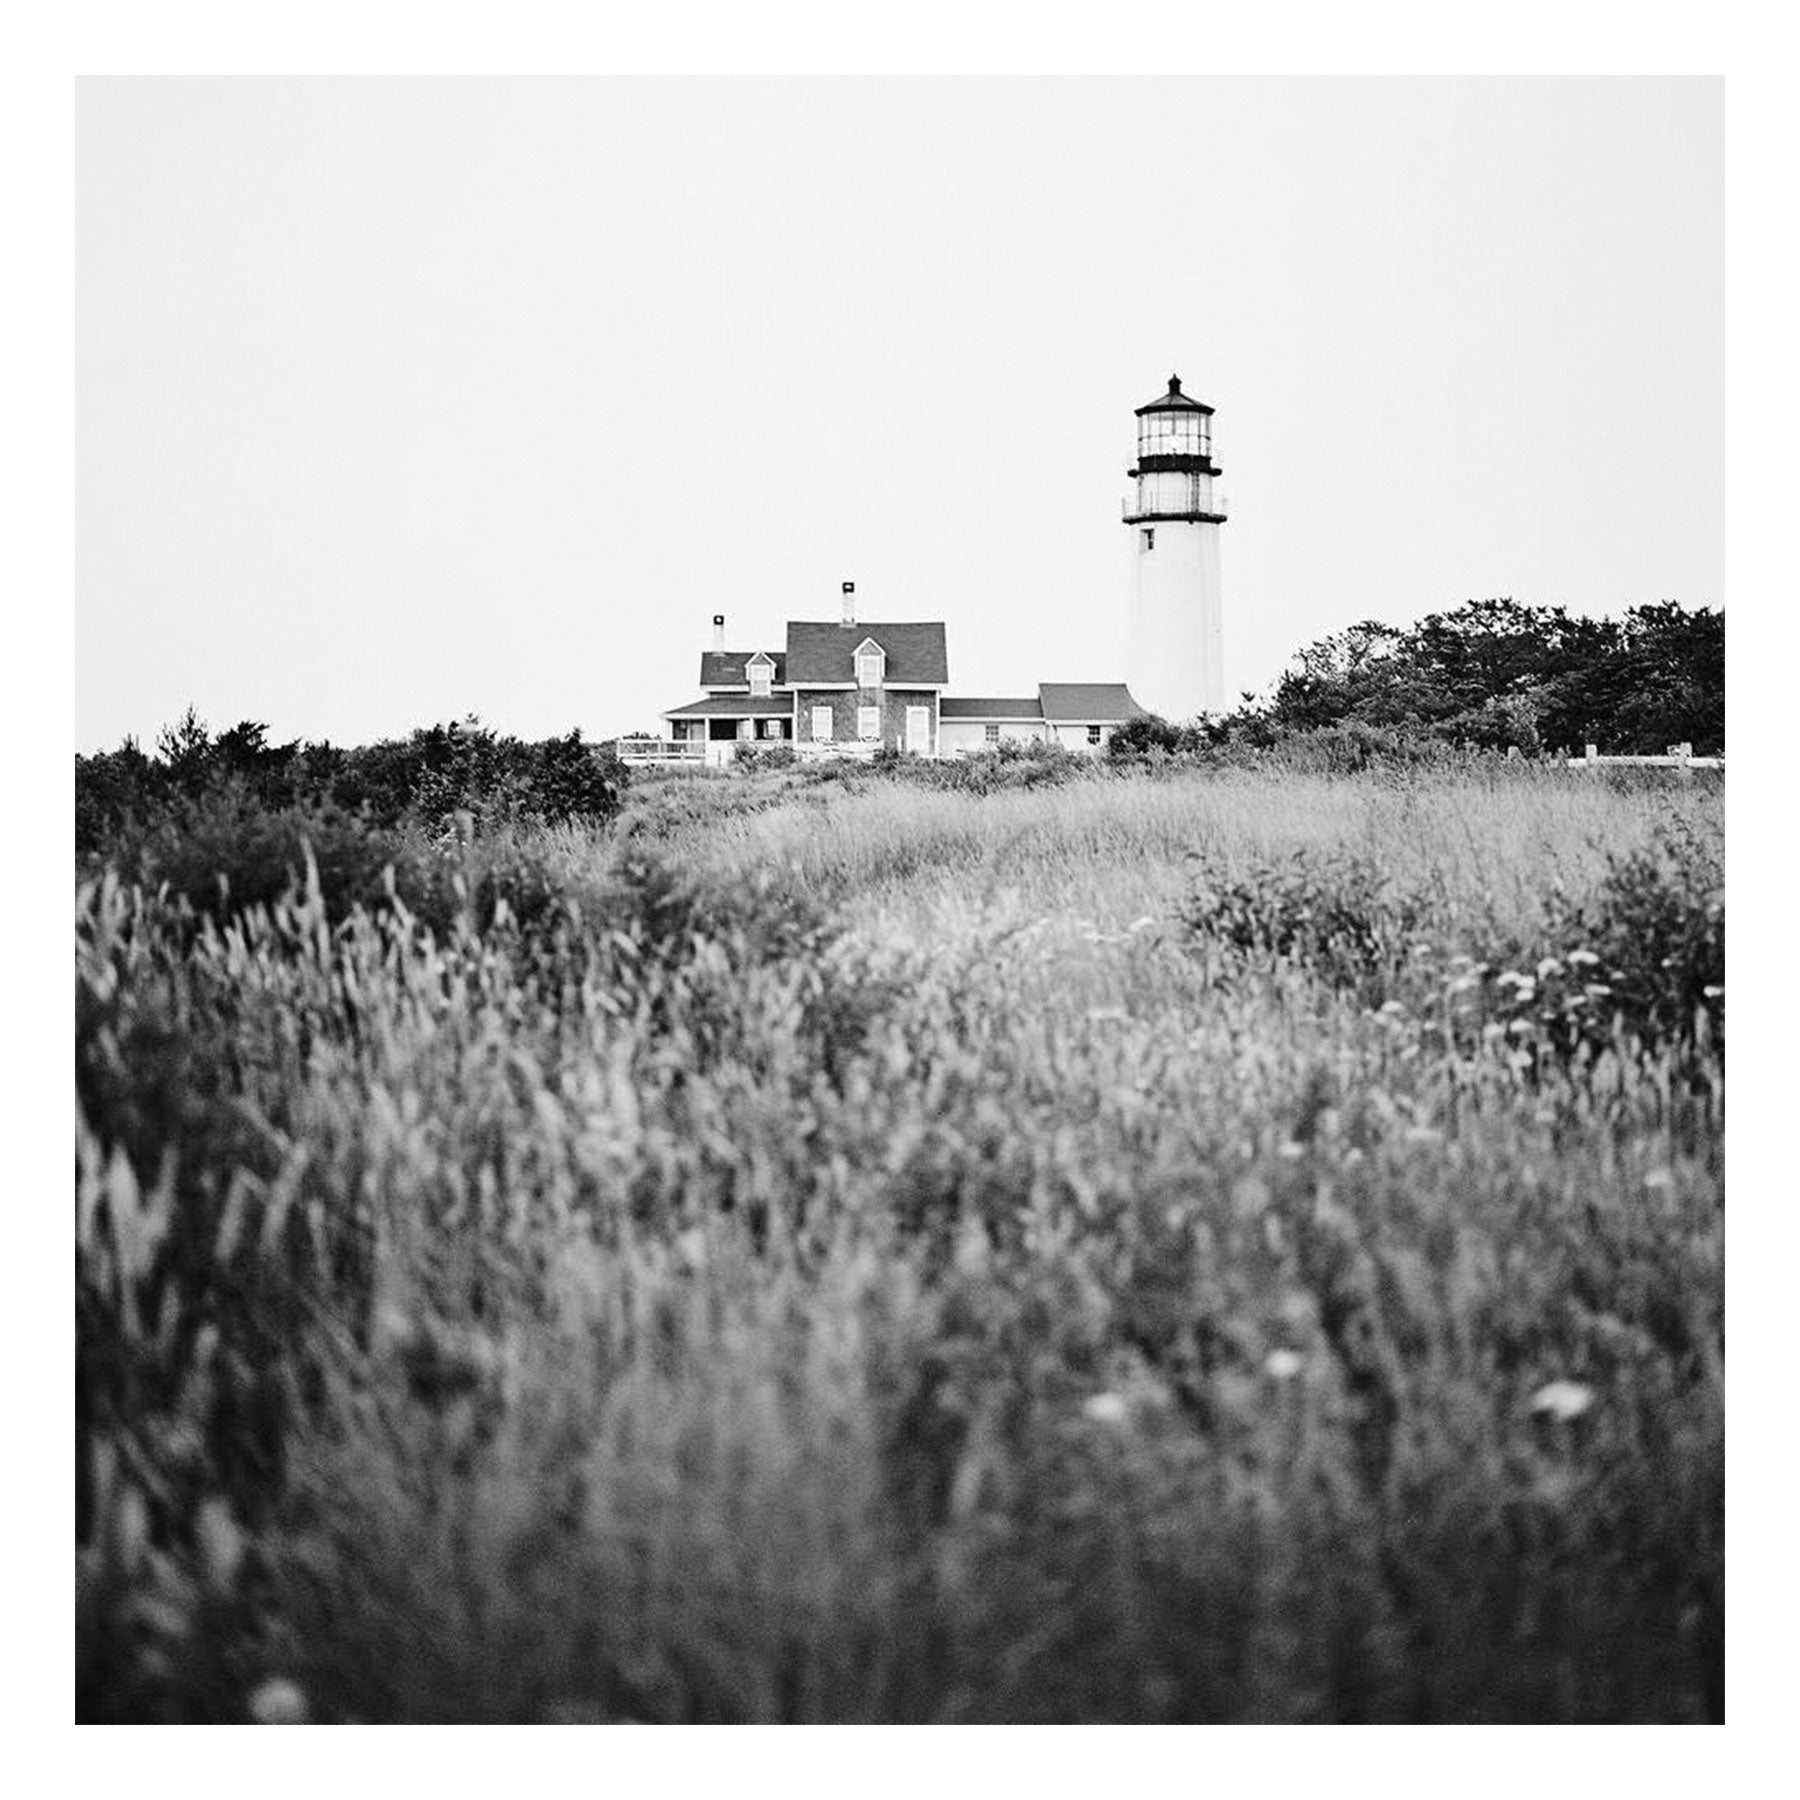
899	1257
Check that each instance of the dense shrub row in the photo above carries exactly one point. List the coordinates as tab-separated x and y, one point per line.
230	821
1492	675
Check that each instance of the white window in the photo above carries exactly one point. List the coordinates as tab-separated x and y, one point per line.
868	722
759	678
746	728
992	734
821	726
774	728
868	669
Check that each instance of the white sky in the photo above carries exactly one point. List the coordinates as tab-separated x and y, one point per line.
402	399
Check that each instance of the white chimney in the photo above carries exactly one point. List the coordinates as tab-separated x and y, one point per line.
849	602
718	631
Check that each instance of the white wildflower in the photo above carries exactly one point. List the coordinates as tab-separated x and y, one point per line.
1562	1400
1105	1409
1549	966
1283	1365
279	1701
1582	958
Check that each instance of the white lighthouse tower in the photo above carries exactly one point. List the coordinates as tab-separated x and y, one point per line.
1175	635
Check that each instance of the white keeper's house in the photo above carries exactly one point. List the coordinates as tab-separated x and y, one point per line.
850	687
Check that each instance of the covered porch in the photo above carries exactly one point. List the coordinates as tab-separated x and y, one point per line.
712	729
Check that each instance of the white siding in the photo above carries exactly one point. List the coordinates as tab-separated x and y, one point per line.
971	734
1175	662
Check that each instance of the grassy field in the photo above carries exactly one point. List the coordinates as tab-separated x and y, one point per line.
1182	1246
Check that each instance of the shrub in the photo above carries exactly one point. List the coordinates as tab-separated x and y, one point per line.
1333	913
770	754
1656	924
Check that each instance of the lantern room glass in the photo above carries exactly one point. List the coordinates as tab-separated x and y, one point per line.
1174	434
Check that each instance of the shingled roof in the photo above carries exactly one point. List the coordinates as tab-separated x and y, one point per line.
824	651
725	668
965	708
734	706
1087	702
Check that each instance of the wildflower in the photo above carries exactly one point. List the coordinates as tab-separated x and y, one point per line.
1101	1015
1562	1400
1424	1134
1463	983
1712	992
1581	958
1105	1409
1290	1151
1549	966
221	1543
1659	1180
1142	924
278	1701
1283	1365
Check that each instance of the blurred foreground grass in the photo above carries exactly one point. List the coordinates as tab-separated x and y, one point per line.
1198	1247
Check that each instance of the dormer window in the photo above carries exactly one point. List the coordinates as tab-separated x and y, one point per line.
871	664
761	671
759	681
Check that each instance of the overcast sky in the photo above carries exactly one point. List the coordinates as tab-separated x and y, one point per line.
402	400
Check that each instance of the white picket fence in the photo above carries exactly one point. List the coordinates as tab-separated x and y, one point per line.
1679	756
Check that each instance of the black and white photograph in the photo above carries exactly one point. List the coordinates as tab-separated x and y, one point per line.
899	899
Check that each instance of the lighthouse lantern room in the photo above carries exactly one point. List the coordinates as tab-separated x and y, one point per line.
1175	633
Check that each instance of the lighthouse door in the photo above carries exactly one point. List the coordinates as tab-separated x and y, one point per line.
918	729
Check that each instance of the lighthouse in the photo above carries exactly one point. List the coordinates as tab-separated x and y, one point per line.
1175	636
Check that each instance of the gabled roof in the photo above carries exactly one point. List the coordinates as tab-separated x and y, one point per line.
1173	401
725	668
734	706
824	651
1088	702
989	709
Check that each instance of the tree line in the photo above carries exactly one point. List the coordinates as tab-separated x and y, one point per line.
1493	675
